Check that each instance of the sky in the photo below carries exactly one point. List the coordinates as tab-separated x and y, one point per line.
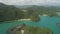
31	2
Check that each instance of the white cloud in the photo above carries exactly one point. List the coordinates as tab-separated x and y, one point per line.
22	2
53	2
12	1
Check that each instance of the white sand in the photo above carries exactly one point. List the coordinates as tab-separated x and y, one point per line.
22	31
23	20
45	15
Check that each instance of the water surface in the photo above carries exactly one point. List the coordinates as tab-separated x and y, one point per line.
45	22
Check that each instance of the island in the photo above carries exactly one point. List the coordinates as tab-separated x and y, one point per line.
23	29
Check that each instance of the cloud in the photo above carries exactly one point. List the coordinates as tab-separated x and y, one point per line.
12	1
31	2
53	2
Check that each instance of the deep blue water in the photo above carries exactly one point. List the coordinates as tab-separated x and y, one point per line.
45	21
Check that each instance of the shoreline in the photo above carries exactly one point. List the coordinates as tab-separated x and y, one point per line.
23	20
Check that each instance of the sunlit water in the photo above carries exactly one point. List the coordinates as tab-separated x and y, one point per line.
45	21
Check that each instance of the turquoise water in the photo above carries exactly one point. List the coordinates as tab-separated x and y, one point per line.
46	21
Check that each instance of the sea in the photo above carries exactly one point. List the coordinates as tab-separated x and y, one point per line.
45	22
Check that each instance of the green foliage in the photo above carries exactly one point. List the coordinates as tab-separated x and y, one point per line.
31	30
8	13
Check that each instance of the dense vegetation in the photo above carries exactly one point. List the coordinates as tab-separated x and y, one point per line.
30	30
9	13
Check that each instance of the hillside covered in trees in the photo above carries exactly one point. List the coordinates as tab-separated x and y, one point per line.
10	12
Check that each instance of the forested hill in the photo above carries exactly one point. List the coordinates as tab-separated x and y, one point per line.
10	12
49	10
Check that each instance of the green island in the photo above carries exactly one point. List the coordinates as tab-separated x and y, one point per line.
29	30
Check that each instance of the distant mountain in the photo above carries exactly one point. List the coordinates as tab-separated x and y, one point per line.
49	10
27	6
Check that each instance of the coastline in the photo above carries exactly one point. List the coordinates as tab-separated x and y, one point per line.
23	20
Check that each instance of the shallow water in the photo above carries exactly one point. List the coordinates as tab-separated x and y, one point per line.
46	21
